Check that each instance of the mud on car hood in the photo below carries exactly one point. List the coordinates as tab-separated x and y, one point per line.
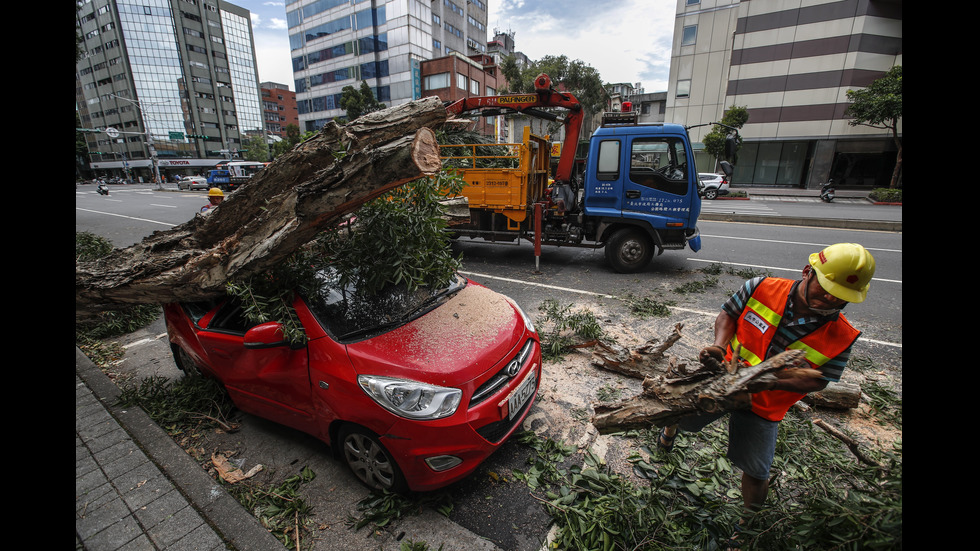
450	345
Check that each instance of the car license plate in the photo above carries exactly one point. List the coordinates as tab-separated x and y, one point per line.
521	395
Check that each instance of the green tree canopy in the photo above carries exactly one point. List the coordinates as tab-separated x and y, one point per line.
880	106
714	141
577	77
256	149
359	102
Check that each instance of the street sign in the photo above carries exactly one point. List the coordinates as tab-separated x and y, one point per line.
176	135
111	132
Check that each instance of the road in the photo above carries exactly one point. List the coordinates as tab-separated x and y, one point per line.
490	506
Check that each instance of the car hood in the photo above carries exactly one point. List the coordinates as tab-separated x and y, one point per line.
450	345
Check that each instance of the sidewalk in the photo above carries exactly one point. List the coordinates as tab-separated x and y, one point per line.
803	207
136	489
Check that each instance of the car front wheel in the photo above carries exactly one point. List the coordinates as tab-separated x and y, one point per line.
710	193
368	459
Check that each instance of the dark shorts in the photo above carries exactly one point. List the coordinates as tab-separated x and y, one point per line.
751	439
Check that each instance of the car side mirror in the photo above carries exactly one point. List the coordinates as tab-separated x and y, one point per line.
266	335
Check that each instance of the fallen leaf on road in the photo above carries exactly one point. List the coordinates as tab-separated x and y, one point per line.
230	473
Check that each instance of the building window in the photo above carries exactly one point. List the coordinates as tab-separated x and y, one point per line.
434	82
461	81
683	88
690	34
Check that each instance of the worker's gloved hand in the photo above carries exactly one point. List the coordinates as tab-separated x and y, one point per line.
715	352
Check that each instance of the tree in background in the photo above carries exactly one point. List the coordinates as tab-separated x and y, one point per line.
292	138
577	77
256	149
880	106
714	141
359	102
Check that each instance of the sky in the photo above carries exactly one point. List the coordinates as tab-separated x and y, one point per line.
625	41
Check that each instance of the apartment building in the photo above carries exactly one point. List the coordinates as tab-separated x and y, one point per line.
790	62
339	43
171	86
278	109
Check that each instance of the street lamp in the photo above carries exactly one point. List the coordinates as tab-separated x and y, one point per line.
149	137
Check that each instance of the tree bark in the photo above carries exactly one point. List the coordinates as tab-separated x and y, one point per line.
282	208
710	389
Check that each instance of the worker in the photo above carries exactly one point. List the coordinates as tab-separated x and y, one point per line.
769	315
215	197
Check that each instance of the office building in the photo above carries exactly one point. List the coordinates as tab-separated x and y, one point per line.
171	84
790	63
339	43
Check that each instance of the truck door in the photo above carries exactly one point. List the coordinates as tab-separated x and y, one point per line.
658	186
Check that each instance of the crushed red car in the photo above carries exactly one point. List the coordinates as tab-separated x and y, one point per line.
412	390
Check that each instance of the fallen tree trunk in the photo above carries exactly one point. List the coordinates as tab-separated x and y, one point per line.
281	209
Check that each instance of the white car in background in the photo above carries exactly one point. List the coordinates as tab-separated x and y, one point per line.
712	185
192	182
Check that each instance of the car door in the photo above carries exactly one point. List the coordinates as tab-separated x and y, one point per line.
272	382
658	184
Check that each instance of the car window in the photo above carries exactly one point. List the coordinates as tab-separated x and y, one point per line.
231	318
348	314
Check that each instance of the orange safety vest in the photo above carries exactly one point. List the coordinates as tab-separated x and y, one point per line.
756	328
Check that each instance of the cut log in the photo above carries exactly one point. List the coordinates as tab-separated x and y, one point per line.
667	398
281	209
836	396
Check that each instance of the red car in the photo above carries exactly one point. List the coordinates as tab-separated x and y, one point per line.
412	390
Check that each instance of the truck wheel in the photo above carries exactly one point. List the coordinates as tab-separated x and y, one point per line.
629	251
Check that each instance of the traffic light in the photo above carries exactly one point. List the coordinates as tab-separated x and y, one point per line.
201	137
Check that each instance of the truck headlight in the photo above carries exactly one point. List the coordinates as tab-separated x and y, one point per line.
411	399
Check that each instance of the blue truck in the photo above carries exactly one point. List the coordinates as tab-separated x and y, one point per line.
230	174
636	197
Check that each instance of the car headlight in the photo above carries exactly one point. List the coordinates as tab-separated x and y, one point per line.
527	320
411	399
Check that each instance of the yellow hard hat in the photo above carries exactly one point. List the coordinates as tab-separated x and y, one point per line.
215	192
844	270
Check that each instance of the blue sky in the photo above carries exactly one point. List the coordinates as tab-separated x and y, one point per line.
626	40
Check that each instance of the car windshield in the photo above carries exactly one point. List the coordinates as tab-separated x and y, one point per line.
349	314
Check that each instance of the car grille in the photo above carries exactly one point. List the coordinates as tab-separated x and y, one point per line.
500	379
495	432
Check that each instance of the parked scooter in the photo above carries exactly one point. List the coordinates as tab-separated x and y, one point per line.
827	191
102	188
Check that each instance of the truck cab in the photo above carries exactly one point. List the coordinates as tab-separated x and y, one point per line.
640	191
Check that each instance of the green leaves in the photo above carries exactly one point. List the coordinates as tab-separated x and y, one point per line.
560	325
880	104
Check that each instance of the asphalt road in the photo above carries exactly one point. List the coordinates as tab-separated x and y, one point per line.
491	509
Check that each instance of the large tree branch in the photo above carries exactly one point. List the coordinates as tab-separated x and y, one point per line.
282	208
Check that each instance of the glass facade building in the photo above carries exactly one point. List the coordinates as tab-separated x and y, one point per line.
172	85
339	43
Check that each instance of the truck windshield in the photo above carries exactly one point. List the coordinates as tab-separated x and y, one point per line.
348	314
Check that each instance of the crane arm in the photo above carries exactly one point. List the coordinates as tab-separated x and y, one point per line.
544	96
